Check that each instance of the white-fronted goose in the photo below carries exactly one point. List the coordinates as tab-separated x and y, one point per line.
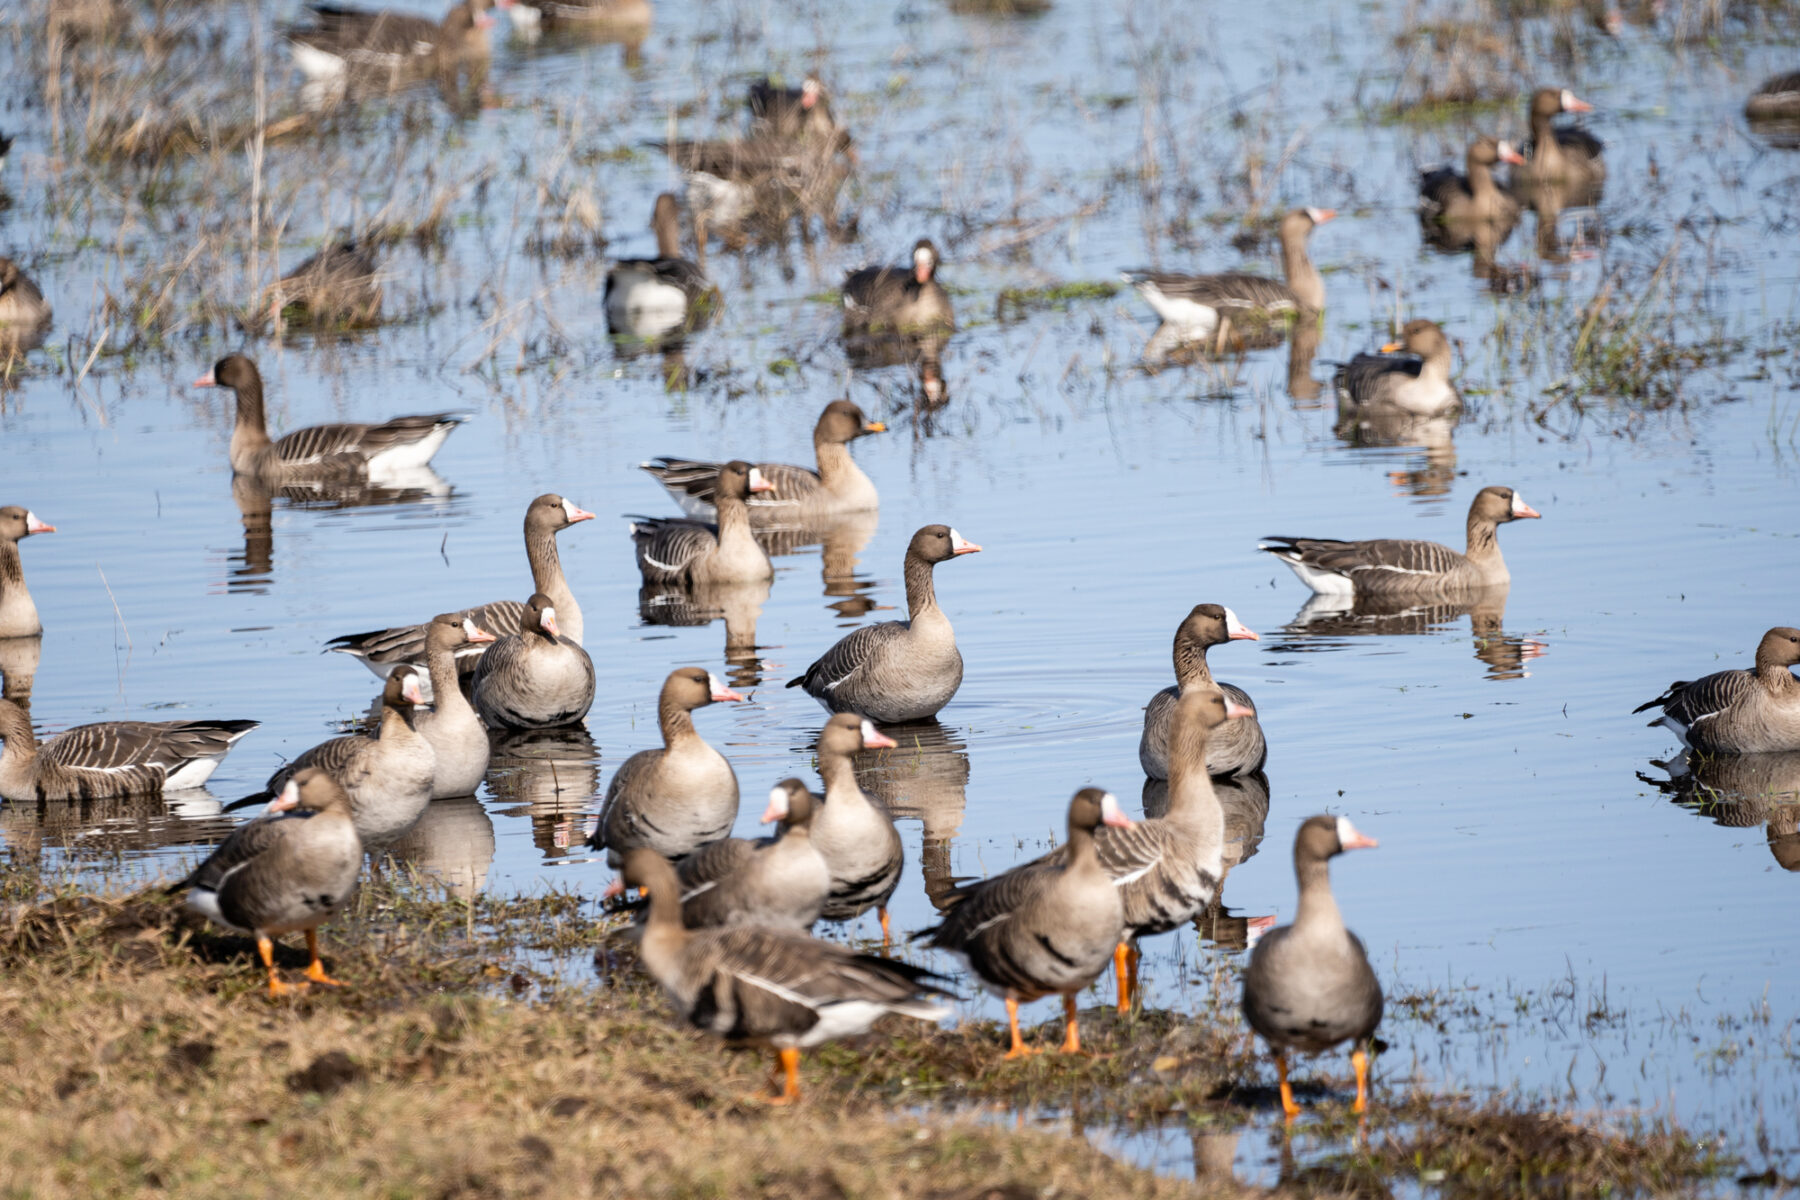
382	650
768	987
341	451
906	299
535	678
459	741
695	553
343	39
767	179
677	798
1238	747
388	775
21	304
340	285
1399	567
802	113
654	297
1041	929
1309	985
1569	156
796	495
292	868
111	758
856	838
1777	99
1449	198
1417	383
18	613
1739	712
626	20
1206	307
897	670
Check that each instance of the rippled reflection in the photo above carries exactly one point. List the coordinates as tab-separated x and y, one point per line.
253	569
1323	621
453	843
841	543
924	779
550	777
111	827
1741	791
737	604
1387	428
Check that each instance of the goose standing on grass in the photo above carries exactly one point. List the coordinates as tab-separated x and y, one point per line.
340	285
535	678
1738	711
1399	567
768	987
1215	308
292	868
1238	747
1039	929
1449	198
897	670
678	798
1777	99
340	40
905	299
1309	985
855	836
1567	156
18	613
382	650
654	297
796	496
1417	383
374	453
799	114
111	758
459	741
695	553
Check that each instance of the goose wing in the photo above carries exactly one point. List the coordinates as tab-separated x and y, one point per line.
1690	702
853	652
1368	378
1384	555
668	546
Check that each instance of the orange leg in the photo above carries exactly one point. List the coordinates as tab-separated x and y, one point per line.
315	970
886	935
277	989
787	1067
1019	1048
1122	969
1071	1030
1287	1093
1360	1061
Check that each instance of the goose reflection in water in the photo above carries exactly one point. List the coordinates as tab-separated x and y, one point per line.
922	353
925	778
737	604
252	571
1323	621
549	776
107	828
841	543
1385	430
1741	791
453	844
1245	801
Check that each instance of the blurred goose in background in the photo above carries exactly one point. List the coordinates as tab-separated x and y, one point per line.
110	758
340	39
906	299
1239	746
897	670
459	741
1417	383
623	20
292	868
1038	929
1566	156
535	678
340	285
376	453
652	298
761	180
1309	985
1394	566
5	149
18	612
1447	198
382	650
695	553
23	310
1218	308
855	837
801	114
677	798
1738	711
1777	99
795	496
768	987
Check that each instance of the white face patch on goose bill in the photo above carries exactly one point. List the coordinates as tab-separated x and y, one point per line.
1349	838
923	257
1518	505
778	805
1235	629
469	630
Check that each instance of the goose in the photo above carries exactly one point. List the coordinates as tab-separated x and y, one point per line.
18	613
371	453
459	741
1417	384
535	678
1738	711
777	882
905	299
1203	308
1309	985
344	39
769	987
21	304
802	113
1038	930
1568	156
796	495
1239	747
111	758
731	182
388	774
696	553
1777	99
628	20
340	285
292	868
677	798
5	149
897	670
854	836
1396	567
1449	198
381	650
653	297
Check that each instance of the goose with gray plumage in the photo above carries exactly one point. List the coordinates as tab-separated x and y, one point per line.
654	297
340	285
695	553
1309	985
1416	383
1449	198
855	836
535	678
22	305
290	869
110	758
799	114
1567	155
679	797
341	39
18	612
1237	748
897	670
1776	100
1738	711
905	299
459	740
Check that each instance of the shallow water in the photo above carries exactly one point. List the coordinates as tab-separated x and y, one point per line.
1498	762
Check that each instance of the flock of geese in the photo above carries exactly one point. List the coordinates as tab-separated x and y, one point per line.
725	924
